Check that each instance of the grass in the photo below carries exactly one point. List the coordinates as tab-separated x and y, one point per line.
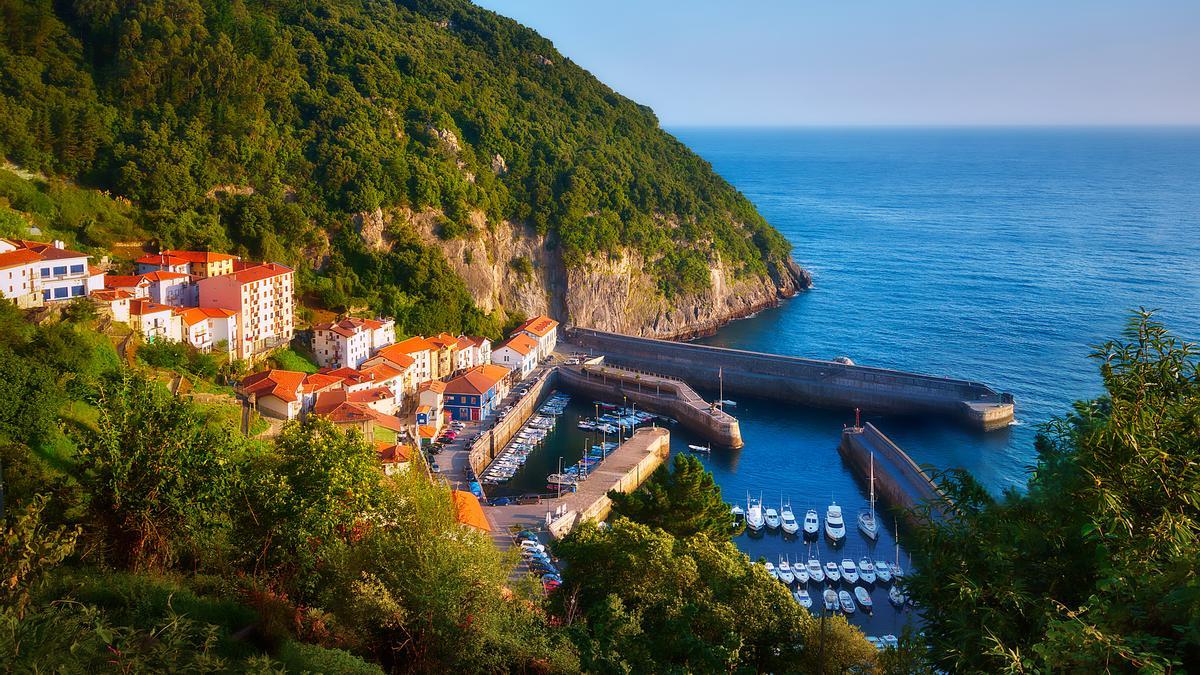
290	359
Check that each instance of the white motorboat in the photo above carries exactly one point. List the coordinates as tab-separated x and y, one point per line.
849	571
831	599
867	523
846	601
864	598
835	527
754	517
771	569
702	449
889	641
832	573
788	519
884	571
801	573
866	571
897	596
785	572
737	512
812	523
802	597
815	572
727	403
772	518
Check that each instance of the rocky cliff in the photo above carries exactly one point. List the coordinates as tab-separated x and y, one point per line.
509	267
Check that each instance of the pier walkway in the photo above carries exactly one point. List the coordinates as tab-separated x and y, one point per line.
899	482
624	470
790	379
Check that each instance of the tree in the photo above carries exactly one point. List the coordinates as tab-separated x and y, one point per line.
1094	567
641	600
160	478
684	502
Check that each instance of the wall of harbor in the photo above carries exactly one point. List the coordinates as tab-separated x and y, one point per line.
899	483
657	394
809	381
491	442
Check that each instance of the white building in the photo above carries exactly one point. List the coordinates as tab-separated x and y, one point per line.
56	273
154	321
18	277
172	288
519	354
263	297
349	342
544	330
207	327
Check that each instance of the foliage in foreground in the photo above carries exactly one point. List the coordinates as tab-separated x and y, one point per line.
1097	566
683	501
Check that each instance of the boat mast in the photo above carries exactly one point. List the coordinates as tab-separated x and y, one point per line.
721	387
873	489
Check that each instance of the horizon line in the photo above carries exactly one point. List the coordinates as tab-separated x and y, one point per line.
930	125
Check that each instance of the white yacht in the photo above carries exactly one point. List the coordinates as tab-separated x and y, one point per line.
831	599
832	573
867	523
754	516
801	573
866	570
771	569
772	518
785	571
802	597
788	519
884	571
815	572
849	571
812	523
835	527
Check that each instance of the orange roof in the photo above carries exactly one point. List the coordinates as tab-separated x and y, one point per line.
161	260
194	315
320	381
142	306
468	510
339	409
349	326
21	256
444	340
391	453
423	409
521	344
108	295
48	251
477	380
282	384
369	395
540	325
478	340
410	346
436	386
159	275
396	355
427	431
381	372
464	342
94	271
119	281
180	257
348	374
254	273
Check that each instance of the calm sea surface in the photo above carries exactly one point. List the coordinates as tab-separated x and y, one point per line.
998	255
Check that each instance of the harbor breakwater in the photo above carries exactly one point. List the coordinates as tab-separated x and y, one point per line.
899	482
789	379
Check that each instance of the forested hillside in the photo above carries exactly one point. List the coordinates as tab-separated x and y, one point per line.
263	127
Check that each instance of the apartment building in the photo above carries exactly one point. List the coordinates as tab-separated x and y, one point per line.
263	296
199	264
350	341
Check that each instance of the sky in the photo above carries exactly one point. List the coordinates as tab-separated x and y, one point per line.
886	62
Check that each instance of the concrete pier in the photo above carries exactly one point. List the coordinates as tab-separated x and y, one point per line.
657	394
899	482
624	470
789	379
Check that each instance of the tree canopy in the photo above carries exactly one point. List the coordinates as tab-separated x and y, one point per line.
683	501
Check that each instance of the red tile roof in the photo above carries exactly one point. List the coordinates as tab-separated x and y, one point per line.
259	272
391	453
432	385
109	295
159	275
142	307
477	380
381	372
121	281
161	260
521	344
21	256
410	346
539	325
194	315
49	251
319	382
349	326
282	384
172	258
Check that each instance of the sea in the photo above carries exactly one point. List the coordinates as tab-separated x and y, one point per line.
998	255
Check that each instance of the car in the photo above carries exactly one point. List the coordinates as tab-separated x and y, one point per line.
550	585
501	501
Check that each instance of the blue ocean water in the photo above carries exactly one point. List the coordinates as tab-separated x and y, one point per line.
994	255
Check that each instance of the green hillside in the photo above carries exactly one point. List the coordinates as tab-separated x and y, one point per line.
328	109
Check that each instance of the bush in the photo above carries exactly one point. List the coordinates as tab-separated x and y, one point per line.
300	657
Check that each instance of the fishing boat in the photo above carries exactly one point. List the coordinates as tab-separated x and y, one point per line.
897	596
846	601
772	518
866	570
835	527
737	512
832	573
802	597
785	571
702	449
831	598
771	569
754	516
867	523
788	519
884	571
864	598
849	571
814	571
812	523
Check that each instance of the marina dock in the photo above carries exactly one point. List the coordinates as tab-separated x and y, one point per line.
899	482
623	470
789	379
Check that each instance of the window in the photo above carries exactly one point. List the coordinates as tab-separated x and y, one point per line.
76	291
58	271
46	294
76	269
60	292
46	272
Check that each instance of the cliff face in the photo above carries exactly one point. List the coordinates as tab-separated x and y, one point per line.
510	267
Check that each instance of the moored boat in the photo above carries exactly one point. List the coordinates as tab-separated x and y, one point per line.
849	571
788	520
785	572
884	571
702	449
812	523
815	572
771	516
771	569
897	596
846	601
831	599
867	523
866	570
835	527
801	595
754	517
864	598
832	573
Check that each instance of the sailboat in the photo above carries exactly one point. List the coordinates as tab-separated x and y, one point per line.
866	519
897	570
754	517
788	519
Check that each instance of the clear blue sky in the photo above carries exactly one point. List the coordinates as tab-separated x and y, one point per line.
855	62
